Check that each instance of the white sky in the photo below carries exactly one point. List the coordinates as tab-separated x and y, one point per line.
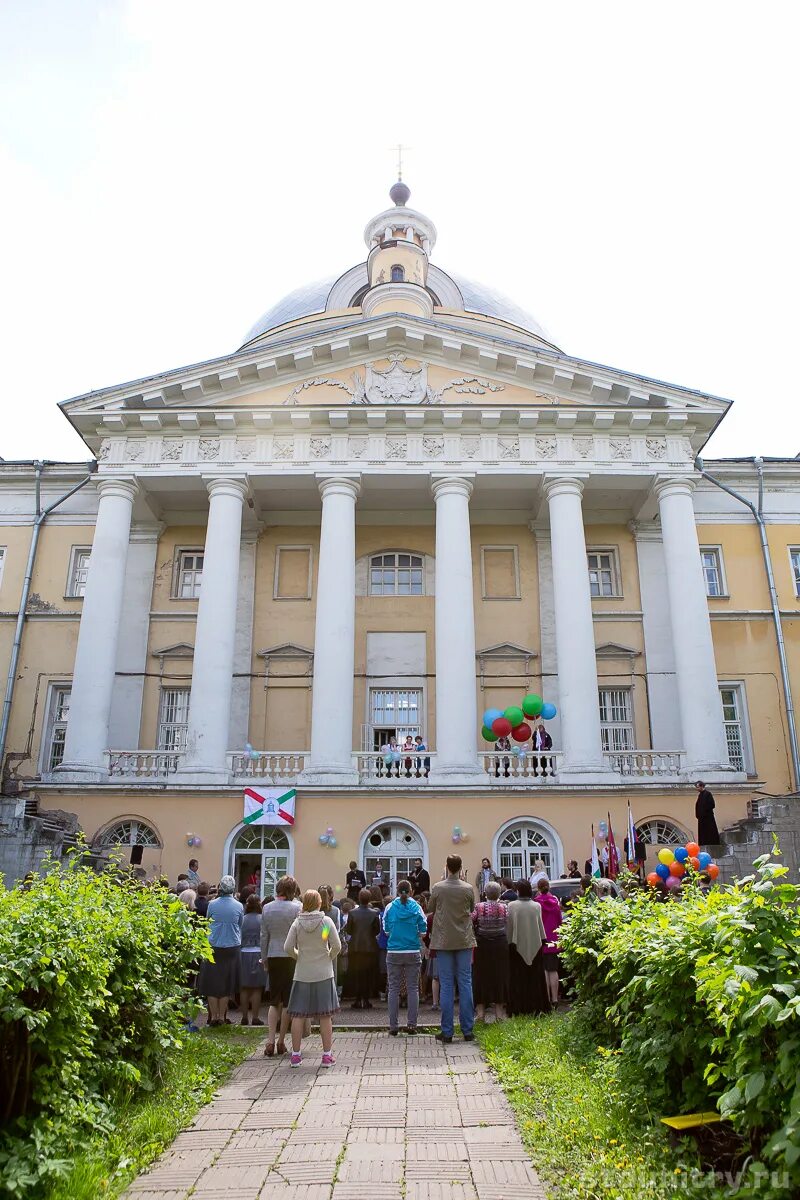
626	171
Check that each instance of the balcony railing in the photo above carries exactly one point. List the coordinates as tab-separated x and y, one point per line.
503	767
268	766
143	764
645	763
372	767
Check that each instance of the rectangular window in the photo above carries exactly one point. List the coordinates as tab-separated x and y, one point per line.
616	719
78	571
712	570
56	731
2	563
173	718
603	574
734	717
794	557
188	575
499	573
293	565
397	711
396	575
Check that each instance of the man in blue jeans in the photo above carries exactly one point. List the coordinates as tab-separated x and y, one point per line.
453	939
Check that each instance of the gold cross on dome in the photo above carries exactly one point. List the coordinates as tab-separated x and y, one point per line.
399	148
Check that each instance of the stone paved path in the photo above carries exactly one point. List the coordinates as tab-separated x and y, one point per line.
405	1118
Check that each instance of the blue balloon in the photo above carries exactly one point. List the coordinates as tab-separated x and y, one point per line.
704	858
387	758
396	757
548	711
662	870
681	854
490	715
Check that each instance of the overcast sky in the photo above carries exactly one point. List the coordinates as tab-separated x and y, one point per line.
626	172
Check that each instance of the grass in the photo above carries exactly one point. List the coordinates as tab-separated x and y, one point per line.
144	1126
588	1136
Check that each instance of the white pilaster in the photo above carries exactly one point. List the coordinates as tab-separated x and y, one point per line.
575	646
456	759
126	701
214	648
96	654
548	661
331	760
243	652
662	690
692	645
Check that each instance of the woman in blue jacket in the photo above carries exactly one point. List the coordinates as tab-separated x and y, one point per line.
405	926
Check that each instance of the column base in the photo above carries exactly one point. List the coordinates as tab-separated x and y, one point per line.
464	775
587	772
328	777
713	772
77	772
202	776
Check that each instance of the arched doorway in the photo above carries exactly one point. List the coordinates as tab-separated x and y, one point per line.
395	844
519	843
132	840
261	854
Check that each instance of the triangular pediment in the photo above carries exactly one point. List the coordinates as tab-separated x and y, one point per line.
615	650
286	650
505	651
178	650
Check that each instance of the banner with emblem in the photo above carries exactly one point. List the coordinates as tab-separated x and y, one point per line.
269	806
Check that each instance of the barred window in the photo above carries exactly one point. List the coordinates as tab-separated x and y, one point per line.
396	709
396	575
173	718
734	733
616	719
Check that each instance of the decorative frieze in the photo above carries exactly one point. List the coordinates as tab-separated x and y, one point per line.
396	448
283	448
656	448
546	447
508	447
620	448
208	449
432	447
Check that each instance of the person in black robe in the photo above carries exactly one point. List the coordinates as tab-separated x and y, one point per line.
707	832
419	879
355	881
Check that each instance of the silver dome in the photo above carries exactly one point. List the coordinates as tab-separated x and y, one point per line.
312	298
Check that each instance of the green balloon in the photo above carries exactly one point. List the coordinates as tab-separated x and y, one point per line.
515	715
488	735
532	705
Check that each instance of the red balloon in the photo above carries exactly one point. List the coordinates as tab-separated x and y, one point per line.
653	879
501	726
522	733
695	861
712	870
692	849
677	869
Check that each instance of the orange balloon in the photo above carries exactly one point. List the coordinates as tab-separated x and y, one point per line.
653	879
677	869
695	861
712	870
692	849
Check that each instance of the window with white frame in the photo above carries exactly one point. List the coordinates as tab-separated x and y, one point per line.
56	729
734	718
712	570
78	571
616	719
396	575
129	833
395	710
173	718
658	831
794	558
2	563
188	574
603	573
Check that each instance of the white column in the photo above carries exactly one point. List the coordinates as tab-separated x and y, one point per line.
698	691
126	702
456	759
215	637
575	646
96	655
334	637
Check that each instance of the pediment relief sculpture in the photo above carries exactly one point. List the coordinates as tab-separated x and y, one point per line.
400	381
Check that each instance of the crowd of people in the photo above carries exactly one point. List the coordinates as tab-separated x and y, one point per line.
491	944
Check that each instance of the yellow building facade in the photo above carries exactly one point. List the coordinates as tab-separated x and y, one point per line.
396	506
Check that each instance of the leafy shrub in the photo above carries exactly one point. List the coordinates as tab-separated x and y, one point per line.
93	992
702	998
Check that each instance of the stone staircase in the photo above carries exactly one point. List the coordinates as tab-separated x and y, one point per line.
751	837
28	834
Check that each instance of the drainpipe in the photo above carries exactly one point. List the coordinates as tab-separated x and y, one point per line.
758	513
41	517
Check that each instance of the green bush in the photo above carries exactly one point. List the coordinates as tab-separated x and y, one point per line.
701	996
93	992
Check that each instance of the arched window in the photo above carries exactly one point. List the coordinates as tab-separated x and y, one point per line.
398	274
657	831
260	854
130	832
395	845
396	575
520	846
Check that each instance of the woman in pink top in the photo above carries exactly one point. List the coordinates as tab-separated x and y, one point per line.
552	917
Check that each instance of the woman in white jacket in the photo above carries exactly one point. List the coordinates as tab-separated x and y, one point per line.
314	941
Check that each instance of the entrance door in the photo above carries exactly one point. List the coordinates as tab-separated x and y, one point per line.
395	846
261	855
520	847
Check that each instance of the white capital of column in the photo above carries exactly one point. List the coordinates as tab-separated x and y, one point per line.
331	760
456	760
96	654
575	646
212	668
693	648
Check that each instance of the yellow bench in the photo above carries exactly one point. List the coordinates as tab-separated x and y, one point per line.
692	1120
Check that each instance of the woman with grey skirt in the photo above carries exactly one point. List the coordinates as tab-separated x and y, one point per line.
219	979
405	925
314	943
253	976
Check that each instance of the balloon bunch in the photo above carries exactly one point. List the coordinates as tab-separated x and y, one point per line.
328	838
193	840
391	756
250	752
497	724
673	865
459	835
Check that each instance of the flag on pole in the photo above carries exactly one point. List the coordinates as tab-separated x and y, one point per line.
613	853
269	806
596	872
632	863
